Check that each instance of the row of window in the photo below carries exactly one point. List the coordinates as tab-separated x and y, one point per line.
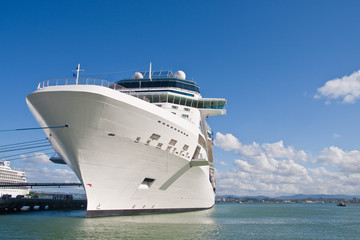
173	128
185	101
172	144
176	107
159	84
10	172
11	177
186	116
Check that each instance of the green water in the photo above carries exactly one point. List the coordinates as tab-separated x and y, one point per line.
224	221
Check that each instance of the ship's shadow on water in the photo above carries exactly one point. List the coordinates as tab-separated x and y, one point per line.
191	225
224	221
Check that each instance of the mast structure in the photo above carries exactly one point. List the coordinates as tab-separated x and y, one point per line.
150	72
77	73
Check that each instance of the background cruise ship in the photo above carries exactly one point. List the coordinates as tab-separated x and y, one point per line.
139	146
7	175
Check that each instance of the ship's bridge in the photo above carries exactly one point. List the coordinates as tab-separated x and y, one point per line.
160	79
207	106
166	87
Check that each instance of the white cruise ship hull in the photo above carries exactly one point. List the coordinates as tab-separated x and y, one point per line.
108	144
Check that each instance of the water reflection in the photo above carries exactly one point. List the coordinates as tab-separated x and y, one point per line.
224	221
192	225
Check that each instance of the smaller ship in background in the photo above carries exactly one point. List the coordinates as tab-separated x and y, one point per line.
7	175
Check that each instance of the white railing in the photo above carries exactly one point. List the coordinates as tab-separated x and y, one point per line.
89	81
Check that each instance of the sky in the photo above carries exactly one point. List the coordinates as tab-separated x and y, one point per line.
290	71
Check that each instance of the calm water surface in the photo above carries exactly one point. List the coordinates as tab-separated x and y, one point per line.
224	221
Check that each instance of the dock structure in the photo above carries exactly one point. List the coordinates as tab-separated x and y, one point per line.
57	202
4	185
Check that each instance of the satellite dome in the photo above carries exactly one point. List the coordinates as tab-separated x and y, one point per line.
138	75
180	75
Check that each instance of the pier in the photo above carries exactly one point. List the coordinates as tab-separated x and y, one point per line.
57	202
54	202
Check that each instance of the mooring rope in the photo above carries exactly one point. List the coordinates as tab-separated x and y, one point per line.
26	129
29	152
24	148
23	143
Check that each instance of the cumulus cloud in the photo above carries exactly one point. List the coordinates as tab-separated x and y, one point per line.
53	174
274	169
39	169
347	162
345	89
37	157
227	142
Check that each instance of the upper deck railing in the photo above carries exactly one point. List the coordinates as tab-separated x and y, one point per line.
151	97
89	81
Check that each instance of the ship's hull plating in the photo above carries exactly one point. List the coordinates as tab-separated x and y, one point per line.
107	145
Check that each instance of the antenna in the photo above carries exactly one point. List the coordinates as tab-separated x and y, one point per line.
77	73
150	72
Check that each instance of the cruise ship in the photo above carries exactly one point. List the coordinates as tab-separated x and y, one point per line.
7	175
140	145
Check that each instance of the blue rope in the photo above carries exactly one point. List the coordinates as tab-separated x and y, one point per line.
25	129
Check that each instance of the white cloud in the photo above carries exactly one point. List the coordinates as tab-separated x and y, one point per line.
38	157
345	89
335	135
227	142
222	163
37	173
348	162
273	169
39	169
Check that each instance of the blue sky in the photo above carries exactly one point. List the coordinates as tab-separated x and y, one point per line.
269	59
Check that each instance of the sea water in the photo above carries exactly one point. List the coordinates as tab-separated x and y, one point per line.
224	221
